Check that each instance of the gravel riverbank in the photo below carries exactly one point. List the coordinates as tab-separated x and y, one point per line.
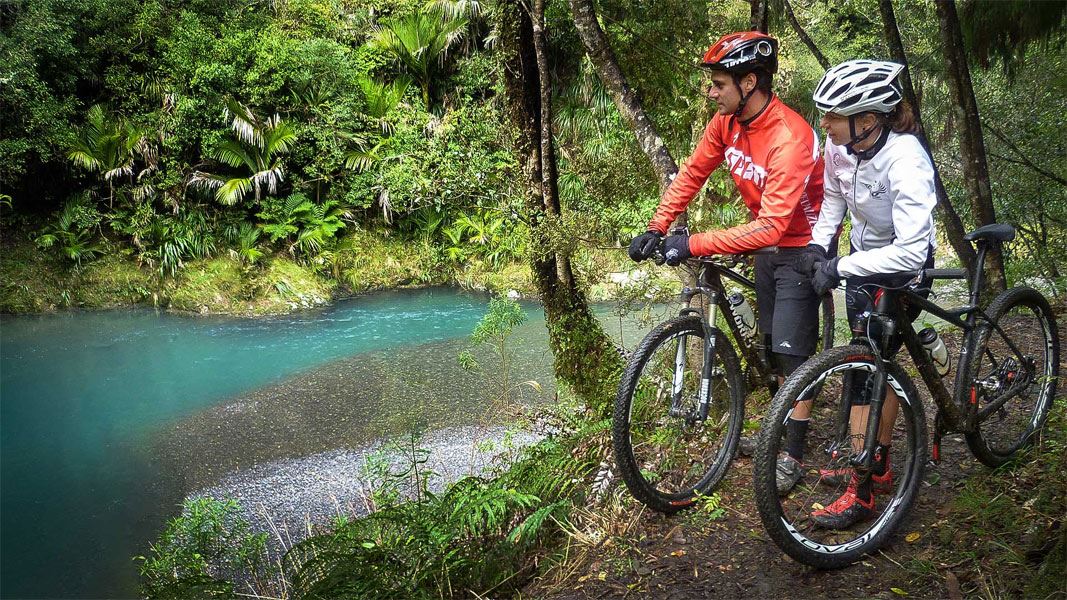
287	497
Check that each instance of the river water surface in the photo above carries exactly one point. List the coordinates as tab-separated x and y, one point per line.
109	419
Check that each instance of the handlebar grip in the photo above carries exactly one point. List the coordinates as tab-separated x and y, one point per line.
944	274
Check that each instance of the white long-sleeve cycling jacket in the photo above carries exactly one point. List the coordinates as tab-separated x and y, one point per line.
891	200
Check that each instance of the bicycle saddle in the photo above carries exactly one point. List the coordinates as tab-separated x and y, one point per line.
997	232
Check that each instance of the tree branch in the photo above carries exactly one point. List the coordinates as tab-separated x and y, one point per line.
1024	160
626	100
804	37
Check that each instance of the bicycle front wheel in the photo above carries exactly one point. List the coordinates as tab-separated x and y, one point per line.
668	450
813	519
1013	390
826	333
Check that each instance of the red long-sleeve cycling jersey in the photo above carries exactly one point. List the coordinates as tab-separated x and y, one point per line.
777	167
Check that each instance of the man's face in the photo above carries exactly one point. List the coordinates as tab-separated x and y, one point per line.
723	91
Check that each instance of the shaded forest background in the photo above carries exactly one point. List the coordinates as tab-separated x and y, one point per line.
171	131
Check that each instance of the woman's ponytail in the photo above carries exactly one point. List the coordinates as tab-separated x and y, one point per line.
902	119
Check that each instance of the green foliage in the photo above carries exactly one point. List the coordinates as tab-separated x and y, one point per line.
492	238
198	550
419	45
110	146
307	227
503	317
1006	521
257	146
477	537
1007	28
247	244
494	330
172	239
382	98
377	259
72	232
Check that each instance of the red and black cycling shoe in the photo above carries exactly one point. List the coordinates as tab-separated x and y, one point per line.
880	484
846	511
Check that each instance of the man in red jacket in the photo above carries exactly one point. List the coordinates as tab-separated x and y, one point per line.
774	158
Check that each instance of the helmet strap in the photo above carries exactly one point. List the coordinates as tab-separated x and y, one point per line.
857	138
741	93
744	100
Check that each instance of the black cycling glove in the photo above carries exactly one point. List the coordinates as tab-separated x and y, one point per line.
676	249
642	246
826	277
809	260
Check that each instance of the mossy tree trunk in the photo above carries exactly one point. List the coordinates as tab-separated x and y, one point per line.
950	218
585	359
972	144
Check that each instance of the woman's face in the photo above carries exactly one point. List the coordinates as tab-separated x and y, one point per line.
836	128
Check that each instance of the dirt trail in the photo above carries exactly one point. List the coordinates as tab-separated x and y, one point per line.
691	555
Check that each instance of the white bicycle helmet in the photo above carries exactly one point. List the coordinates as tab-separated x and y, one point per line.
859	86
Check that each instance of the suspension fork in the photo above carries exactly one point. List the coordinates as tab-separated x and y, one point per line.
707	322
865	458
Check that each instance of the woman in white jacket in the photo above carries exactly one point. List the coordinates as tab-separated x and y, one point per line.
878	172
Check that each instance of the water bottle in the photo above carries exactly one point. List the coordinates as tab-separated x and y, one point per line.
935	349
743	315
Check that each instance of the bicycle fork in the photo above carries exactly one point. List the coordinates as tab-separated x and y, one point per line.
877	386
681	363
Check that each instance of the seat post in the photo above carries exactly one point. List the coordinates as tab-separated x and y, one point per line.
979	273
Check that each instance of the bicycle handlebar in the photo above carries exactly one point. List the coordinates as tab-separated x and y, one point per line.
942	273
659	258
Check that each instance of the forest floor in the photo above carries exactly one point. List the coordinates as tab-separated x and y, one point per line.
971	532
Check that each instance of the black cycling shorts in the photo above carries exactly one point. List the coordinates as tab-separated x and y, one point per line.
788	306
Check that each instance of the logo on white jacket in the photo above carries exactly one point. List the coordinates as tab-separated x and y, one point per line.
875	191
743	167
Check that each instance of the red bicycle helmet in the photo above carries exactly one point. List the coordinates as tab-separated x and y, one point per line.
743	52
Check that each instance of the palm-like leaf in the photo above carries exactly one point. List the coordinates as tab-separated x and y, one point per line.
419	44
232	190
455	9
235	154
243	122
255	148
382	98
278	136
109	146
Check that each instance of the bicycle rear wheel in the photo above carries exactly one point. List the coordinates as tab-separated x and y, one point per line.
1013	391
832	380
666	453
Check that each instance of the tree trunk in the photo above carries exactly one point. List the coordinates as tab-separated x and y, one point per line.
803	35
972	145
626	100
949	217
585	358
759	15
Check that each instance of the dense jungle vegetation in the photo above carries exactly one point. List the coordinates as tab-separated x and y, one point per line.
239	155
219	144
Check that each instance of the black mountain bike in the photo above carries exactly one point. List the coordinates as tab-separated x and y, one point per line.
680	407
1005	382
